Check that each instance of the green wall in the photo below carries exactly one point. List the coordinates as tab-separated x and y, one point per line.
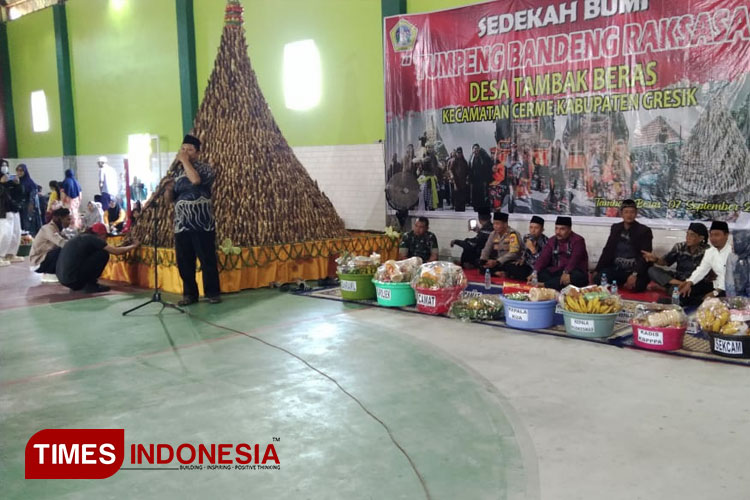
125	73
414	6
33	66
348	36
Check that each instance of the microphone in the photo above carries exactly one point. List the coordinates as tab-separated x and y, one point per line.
171	174
172	170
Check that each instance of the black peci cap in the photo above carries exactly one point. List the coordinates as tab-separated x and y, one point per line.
719	225
698	228
537	220
191	139
564	221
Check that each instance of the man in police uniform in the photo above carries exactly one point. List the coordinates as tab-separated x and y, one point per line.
503	247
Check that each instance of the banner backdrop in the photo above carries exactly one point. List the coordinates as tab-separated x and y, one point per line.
546	107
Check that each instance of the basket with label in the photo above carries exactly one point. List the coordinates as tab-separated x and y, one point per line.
436	301
531	311
355	274
659	327
589	312
727	333
393	282
394	294
357	286
437	285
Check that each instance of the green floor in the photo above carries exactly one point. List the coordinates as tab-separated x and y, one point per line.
176	379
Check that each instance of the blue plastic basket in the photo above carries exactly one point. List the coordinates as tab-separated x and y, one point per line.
529	315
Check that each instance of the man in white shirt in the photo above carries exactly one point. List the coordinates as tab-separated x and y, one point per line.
107	181
715	259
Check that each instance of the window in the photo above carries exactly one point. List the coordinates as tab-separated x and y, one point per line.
302	79
39	116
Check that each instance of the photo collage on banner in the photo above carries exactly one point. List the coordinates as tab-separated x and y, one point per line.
544	107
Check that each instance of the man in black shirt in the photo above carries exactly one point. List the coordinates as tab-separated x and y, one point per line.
533	244
622	259
83	259
687	255
472	247
194	225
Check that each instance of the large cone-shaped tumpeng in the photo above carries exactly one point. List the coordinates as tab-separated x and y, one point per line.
262	194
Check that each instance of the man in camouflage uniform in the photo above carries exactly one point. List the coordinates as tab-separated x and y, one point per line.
419	242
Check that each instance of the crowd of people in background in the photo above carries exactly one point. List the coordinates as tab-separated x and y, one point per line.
482	179
627	260
556	261
72	249
531	167
53	220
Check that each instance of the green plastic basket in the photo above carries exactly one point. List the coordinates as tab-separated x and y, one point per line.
357	286
394	294
591	326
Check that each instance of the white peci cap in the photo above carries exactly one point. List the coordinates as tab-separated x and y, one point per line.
102	159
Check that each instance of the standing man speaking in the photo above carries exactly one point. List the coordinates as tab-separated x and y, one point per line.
194	225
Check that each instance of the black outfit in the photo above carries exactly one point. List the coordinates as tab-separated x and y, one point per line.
113	214
481	176
201	244
106	198
686	264
81	261
460	170
5	200
552	279
522	269
195	232
394	168
622	255
49	264
697	292
472	247
12	197
31	219
508	268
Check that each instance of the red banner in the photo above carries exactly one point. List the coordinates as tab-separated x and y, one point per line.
534	106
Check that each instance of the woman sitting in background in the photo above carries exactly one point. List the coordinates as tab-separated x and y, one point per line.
54	195
114	217
71	197
94	214
134	214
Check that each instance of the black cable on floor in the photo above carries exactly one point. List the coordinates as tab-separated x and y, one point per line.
354	398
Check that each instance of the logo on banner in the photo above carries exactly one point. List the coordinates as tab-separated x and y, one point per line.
100	453
403	36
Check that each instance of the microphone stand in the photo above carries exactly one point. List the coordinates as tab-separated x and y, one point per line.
156	297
